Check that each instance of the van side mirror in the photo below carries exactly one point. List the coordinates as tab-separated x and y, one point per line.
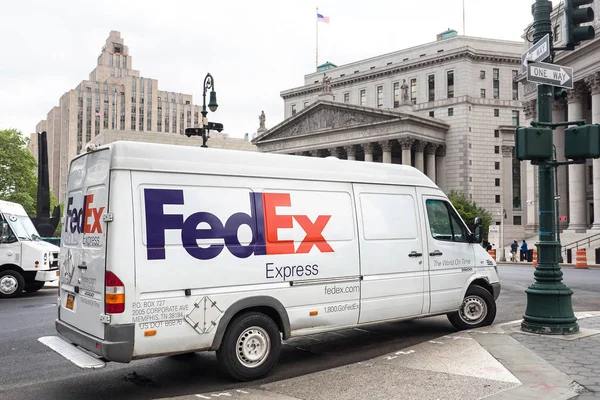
478	236
4	234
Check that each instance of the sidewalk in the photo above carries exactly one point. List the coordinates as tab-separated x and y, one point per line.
498	362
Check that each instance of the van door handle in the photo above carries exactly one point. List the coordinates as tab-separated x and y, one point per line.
435	253
82	266
415	254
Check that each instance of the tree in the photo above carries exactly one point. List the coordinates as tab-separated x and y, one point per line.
469	210
18	181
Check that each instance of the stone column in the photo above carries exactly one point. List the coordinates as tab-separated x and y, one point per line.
506	197
419	156
406	147
577	195
558	115
531	194
430	149
368	149
350	152
440	167
386	148
593	82
335	152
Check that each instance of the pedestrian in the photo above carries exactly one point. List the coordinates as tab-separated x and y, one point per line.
524	248
513	250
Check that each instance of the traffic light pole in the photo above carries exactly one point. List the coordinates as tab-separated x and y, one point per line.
549	308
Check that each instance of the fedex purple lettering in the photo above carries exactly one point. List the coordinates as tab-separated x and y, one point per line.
262	223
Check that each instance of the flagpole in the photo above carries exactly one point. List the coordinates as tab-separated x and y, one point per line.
317	43
464	32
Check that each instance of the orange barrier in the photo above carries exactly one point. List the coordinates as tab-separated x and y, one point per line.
581	259
492	253
535	258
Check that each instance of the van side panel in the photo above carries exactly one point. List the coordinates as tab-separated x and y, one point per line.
203	243
391	252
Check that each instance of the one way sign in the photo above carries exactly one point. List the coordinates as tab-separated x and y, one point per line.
550	74
538	52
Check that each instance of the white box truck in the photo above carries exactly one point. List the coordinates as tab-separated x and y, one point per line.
26	261
171	249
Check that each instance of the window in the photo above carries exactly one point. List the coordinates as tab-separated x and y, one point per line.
379	96
496	112
497	181
413	90
444	223
431	87
450	112
346	97
396	94
515	85
556	33
516	181
293	109
496	133
515	118
363	97
483	93
496	83
497	165
432	113
516	220
497	198
450	82
481	74
305	104
497	149
590	175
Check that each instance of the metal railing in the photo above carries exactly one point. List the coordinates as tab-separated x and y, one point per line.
576	245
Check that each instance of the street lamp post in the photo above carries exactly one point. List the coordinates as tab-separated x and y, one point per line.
212	105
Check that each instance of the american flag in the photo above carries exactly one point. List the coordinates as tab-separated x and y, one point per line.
321	17
99	113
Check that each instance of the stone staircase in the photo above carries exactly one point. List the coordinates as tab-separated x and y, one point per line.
589	241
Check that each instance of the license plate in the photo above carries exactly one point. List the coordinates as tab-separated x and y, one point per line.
70	301
57	274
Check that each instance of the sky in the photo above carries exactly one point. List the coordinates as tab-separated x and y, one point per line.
253	49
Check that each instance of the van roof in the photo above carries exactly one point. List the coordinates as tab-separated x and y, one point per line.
9	207
145	156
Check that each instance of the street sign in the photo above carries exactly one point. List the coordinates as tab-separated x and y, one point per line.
538	52
550	74
562	218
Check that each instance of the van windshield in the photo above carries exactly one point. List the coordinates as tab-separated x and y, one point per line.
22	227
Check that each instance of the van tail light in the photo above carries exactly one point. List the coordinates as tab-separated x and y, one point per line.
115	294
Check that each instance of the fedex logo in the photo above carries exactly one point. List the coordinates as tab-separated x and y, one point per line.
264	222
85	219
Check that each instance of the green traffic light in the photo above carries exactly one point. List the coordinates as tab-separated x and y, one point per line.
574	17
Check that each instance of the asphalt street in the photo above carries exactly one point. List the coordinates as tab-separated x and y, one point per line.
29	370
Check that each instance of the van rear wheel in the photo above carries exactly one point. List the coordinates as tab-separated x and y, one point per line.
477	309
250	347
12	284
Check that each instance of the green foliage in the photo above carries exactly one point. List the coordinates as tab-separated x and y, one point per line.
18	181
469	210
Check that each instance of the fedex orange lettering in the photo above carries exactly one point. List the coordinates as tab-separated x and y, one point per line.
79	219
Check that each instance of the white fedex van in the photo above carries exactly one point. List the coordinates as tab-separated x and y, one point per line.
26	261
171	249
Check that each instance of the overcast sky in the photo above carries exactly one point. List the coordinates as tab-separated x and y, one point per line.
254	49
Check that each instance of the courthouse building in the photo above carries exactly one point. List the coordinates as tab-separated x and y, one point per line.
578	185
448	108
116	103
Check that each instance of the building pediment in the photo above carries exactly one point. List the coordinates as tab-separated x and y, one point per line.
324	116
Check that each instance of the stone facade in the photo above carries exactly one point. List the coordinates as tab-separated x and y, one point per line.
217	140
578	185
114	97
462	83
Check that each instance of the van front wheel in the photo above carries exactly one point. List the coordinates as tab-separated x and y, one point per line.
477	309
12	284
250	347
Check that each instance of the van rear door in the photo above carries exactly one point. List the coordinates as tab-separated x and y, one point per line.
83	253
